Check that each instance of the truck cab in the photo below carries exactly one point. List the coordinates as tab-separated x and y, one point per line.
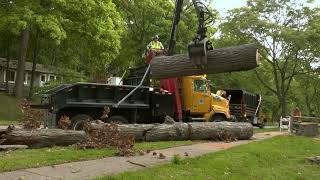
199	103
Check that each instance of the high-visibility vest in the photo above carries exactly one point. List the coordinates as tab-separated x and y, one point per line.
155	45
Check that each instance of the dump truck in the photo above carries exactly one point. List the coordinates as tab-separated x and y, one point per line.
245	106
145	104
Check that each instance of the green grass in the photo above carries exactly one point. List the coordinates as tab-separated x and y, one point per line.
282	157
258	130
6	123
49	156
9	109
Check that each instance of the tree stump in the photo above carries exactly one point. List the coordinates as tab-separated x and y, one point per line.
306	129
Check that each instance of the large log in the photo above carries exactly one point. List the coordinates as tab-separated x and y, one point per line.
186	131
141	132
239	58
43	137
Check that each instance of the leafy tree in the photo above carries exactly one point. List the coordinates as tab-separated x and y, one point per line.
285	31
84	34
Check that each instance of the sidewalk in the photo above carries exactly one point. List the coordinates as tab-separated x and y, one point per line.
113	165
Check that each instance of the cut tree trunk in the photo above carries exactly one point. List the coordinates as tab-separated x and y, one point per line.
186	131
142	132
239	58
42	137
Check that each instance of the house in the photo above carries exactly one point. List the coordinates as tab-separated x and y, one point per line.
43	73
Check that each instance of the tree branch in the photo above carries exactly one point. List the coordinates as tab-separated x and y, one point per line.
265	84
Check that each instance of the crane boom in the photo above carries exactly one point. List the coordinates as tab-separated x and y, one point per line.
197	49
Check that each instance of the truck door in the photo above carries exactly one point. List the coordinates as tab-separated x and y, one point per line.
201	97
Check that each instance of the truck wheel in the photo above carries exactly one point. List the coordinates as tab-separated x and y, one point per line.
217	118
261	126
77	121
118	120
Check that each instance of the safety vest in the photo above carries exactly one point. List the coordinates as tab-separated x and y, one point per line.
155	45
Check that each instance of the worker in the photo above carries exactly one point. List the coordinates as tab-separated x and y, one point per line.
296	114
154	48
155	45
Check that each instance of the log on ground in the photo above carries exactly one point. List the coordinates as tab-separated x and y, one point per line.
141	132
42	137
239	58
187	131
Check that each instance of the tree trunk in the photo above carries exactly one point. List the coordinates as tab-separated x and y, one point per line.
186	131
34	62
240	58
141	132
42	137
283	103
21	64
8	67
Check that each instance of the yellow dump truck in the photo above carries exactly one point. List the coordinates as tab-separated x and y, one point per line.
198	103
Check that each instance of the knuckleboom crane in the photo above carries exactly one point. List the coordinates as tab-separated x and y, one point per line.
197	49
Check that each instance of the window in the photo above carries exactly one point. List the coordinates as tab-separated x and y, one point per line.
58	78
43	78
51	78
11	76
200	86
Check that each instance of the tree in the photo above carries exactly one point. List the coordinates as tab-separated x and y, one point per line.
285	32
83	34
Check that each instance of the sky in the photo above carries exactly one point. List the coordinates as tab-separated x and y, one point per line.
224	5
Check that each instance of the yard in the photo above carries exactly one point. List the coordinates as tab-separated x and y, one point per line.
50	156
281	157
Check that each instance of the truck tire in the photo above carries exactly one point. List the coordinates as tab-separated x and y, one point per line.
118	120
218	118
261	126
77	121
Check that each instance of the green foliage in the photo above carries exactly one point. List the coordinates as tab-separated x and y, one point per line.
286	32
176	159
78	35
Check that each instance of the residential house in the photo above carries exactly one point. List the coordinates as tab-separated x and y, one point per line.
43	73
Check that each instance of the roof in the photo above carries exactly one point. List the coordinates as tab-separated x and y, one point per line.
28	67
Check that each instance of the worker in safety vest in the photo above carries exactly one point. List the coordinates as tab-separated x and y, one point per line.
155	44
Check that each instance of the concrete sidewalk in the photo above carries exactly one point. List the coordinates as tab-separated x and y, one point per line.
113	165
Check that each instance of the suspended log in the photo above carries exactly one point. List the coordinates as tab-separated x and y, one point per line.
42	137
239	58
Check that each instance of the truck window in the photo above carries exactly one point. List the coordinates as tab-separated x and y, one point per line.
199	86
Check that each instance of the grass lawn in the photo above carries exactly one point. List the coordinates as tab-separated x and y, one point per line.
6	122
258	130
49	156
9	109
281	157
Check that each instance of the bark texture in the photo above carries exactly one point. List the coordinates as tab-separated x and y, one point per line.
141	132
239	58
42	137
21	63
187	131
